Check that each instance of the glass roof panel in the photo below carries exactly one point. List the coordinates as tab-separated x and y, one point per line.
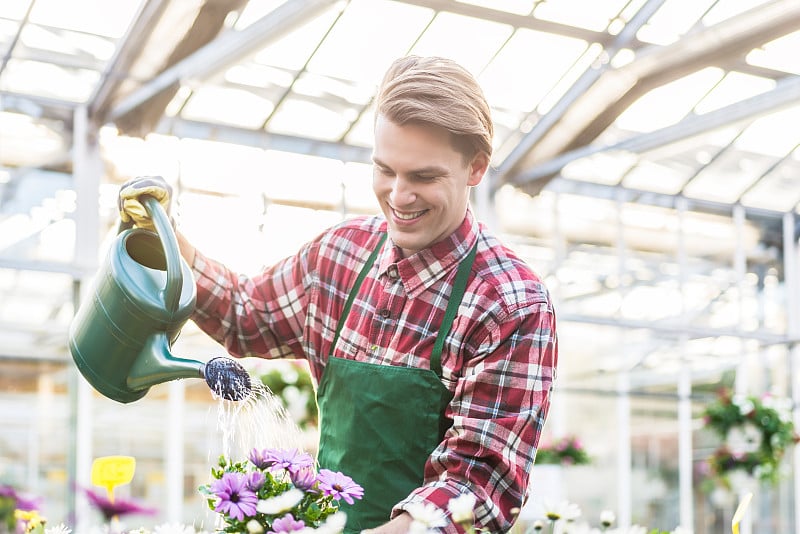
780	54
725	9
590	15
575	71
322	180
779	190
8	30
357	180
669	103
68	84
270	81
533	74
303	117
236	107
672	20
656	176
292	51
361	133
14	9
769	134
341	91
254	10
735	86
726	178
220	167
25	142
602	168
448	36
367	38
67	47
520	7
668	168
110	19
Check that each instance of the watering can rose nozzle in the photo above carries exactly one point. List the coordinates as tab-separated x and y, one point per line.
227	378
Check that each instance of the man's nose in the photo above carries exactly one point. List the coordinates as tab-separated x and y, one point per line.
402	192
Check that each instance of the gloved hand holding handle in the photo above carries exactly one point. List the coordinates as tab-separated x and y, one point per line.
131	210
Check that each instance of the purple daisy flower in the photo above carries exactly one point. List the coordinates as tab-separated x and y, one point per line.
339	486
286	523
20	501
8	491
276	459
304	478
118	507
261	458
255	480
235	498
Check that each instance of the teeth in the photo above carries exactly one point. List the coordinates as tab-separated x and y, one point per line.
408	216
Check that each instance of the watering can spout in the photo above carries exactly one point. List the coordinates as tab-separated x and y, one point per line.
155	365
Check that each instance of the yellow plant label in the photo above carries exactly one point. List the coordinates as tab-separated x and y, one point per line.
112	471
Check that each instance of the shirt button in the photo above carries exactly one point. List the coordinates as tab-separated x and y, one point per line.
385	313
392	272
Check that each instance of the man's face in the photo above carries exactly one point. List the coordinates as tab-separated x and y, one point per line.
421	182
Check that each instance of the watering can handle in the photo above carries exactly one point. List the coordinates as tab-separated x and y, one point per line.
172	291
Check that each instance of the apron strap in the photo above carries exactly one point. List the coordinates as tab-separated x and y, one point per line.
459	286
356	287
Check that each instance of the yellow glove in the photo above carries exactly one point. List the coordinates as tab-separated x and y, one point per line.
131	210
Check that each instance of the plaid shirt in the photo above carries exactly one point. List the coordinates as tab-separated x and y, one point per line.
499	360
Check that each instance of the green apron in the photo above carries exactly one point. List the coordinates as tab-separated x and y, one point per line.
380	423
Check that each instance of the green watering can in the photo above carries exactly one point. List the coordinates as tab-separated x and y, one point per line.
122	333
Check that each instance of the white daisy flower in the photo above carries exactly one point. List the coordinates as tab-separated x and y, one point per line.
426	516
280	503
461	508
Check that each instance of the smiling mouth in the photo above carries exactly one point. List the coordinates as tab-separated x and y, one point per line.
408	216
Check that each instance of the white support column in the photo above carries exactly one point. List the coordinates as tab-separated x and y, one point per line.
86	175
685	447
624	457
791	260
174	453
741	383
624	454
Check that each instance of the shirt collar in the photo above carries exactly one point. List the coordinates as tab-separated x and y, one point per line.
421	270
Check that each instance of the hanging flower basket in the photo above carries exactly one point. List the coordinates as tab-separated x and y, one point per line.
755	433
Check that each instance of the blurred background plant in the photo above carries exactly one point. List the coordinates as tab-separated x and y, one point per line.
755	433
11	500
291	383
568	450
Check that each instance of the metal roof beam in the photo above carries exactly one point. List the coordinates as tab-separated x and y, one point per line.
225	50
267	141
512	19
126	53
786	93
612	93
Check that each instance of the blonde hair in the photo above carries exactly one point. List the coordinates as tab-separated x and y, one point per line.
440	92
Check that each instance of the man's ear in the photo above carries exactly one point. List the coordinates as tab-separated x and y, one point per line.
477	168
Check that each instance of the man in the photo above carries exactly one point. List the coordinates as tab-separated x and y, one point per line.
433	346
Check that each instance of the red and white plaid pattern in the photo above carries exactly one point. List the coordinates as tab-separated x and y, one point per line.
499	360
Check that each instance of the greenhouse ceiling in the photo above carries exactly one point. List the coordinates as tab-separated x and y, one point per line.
648	101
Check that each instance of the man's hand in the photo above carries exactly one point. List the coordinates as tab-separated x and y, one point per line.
131	209
398	525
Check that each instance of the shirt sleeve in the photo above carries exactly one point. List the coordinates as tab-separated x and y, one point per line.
498	411
253	316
